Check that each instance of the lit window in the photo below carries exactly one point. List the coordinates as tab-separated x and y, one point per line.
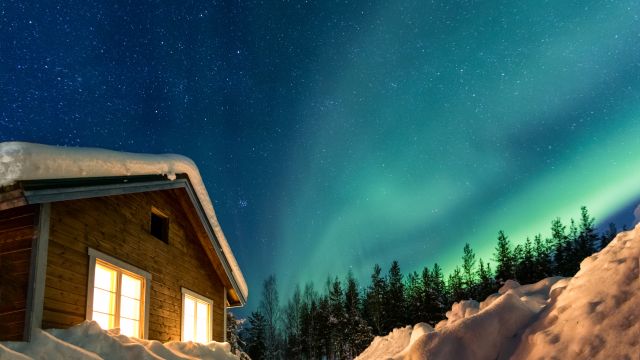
117	295
196	317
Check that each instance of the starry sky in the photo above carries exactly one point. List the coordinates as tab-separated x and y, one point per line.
333	135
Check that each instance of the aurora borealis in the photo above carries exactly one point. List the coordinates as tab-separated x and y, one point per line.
335	135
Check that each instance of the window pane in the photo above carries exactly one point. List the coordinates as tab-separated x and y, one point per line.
189	319
105	278
104	320
129	308
104	301
129	327
202	322
131	286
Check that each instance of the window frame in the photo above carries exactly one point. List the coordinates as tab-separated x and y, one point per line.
203	299
94	256
164	226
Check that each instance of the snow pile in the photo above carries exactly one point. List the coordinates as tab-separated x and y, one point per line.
597	316
88	341
383	347
593	316
26	161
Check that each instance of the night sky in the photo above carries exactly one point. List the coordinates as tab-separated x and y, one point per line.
333	135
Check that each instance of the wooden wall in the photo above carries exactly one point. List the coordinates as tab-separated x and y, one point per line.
17	232
119	226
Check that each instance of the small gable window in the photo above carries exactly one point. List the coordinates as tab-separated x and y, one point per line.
159	225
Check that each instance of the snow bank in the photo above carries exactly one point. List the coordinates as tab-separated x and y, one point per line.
88	341
383	347
597	316
593	316
27	161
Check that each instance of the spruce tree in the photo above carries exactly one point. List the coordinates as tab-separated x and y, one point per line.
541	258
358	333
233	333
518	252
468	269
571	250
587	238
504	259
439	293
528	275
414	298
256	347
456	285
486	284
374	301
337	320
395	304
559	240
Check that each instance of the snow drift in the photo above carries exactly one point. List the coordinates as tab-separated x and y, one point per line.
593	315
88	341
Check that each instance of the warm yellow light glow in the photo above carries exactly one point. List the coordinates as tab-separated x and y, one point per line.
196	320
202	322
104	296
117	299
131	286
189	319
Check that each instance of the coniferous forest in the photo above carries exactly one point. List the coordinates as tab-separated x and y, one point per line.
339	319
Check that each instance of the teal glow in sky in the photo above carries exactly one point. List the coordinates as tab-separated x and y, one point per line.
333	135
442	126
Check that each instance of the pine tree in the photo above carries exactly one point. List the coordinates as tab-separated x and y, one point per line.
541	258
486	284
469	276
358	333
587	237
414	296
527	266
394	301
374	301
256	347
518	252
504	259
323	328
456	285
573	257
233	333
438	291
337	320
559	240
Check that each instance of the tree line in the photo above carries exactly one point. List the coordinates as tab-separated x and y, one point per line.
339	320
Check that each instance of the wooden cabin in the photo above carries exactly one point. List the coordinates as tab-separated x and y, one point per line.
135	252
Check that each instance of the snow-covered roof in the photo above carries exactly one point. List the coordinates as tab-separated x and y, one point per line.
27	161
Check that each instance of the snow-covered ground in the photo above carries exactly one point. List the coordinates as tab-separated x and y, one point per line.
88	341
594	315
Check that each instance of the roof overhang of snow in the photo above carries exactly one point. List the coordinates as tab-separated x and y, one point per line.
35	173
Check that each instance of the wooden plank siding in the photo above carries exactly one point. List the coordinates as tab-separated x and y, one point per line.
17	232
119	226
